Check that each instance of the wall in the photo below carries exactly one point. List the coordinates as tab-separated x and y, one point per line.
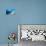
27	12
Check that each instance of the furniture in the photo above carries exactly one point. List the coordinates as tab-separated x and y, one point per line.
25	34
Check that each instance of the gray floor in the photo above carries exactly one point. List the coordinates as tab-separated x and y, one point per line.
30	43
7	45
